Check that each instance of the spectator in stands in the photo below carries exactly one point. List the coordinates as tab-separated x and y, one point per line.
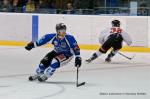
0	3
15	6
30	6
143	10
83	4
69	9
42	7
43	4
52	7
52	4
6	6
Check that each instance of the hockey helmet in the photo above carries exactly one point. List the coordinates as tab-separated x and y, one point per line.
61	30
60	26
115	23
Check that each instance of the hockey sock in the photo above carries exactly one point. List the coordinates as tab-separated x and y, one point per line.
50	71
40	70
95	55
112	53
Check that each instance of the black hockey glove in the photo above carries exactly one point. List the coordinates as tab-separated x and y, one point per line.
29	46
78	61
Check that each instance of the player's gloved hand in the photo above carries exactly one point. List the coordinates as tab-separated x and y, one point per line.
78	61
29	46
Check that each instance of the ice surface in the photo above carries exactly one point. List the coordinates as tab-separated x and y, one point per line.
121	79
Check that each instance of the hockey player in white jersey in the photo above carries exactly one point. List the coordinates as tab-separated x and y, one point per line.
111	38
65	46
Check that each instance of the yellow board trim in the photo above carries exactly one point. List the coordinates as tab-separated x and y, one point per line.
125	48
82	46
12	43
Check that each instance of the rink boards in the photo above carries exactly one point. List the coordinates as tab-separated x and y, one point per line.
18	29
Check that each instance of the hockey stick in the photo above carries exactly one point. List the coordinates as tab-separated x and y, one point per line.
126	56
77	83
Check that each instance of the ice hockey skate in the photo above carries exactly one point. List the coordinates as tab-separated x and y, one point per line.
88	61
108	60
42	78
34	77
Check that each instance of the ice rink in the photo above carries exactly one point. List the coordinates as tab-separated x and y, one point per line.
121	79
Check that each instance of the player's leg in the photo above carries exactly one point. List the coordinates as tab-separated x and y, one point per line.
39	72
56	63
110	55
96	55
50	70
45	62
116	47
104	48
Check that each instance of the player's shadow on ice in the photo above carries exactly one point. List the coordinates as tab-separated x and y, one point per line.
60	82
68	83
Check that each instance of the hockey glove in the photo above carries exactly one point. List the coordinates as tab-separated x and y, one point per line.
29	46
78	61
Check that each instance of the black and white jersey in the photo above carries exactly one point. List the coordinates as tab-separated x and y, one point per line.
105	34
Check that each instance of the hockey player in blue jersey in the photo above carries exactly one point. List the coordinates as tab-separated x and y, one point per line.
65	46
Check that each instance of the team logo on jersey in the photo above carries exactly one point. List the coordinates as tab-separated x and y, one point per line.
63	44
55	42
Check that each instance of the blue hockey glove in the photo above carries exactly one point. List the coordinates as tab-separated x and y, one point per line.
29	46
78	61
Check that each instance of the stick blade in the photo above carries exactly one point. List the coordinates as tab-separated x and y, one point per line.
81	84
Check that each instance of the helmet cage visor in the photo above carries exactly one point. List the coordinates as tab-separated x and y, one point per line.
61	32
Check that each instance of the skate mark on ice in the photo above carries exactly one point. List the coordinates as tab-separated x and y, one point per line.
62	89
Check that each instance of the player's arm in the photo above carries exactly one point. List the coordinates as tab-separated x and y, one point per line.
76	49
126	38
101	39
102	35
78	60
46	38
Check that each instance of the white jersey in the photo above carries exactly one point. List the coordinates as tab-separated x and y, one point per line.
108	31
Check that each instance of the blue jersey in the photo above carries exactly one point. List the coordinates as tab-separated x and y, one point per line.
67	46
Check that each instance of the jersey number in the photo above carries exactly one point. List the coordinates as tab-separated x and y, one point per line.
116	30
